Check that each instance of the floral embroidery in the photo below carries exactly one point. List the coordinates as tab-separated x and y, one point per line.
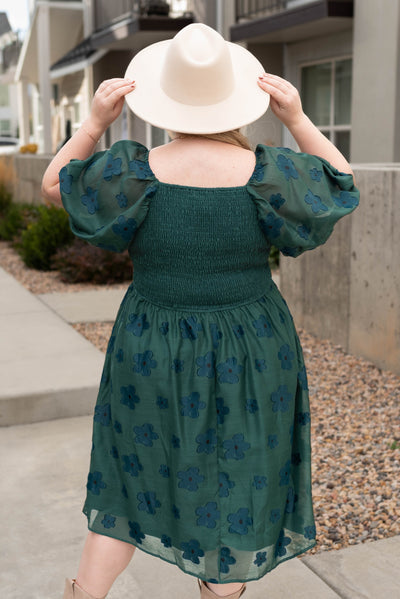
177	365
271	225
119	356
281	399
261	557
122	200
208	515
190	327
229	371
260	365
315	202
129	397
286	356
282	543
251	406
132	464
273	441
290	501
224	484
226	560
176	512
310	532
296	459
192	551
95	483
90	200
303	418
164	470
207	442
108	521
113	167
191	405
259	482
238	330
137	324
206	365
258	173
277	201
148	502
141	169
117	427
286	165
346	200
176	442
235	447
102	414
143	363
239	521
162	402
222	410
284	473
114	452
275	516
145	434
65	180
135	532
304	231
190	479
315	174
166	541
164	328
125	227
216	335
262	326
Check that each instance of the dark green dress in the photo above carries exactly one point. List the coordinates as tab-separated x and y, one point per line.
201	434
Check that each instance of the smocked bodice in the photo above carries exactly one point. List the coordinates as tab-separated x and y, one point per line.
200	247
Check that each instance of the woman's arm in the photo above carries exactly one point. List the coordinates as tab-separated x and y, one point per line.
286	105
106	106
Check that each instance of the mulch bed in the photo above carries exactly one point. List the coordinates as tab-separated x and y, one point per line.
355	428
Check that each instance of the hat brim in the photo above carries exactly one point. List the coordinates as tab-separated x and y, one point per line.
245	104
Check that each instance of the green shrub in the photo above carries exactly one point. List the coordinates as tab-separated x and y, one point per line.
40	241
5	199
274	258
16	219
82	263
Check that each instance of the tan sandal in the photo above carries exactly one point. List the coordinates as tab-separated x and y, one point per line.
206	592
73	591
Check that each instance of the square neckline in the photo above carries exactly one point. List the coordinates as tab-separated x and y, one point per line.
205	188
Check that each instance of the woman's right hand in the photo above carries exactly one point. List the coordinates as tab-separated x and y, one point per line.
107	104
284	99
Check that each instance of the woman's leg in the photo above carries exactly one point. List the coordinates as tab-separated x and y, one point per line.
103	559
224	589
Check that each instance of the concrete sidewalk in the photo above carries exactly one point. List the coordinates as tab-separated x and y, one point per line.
42	486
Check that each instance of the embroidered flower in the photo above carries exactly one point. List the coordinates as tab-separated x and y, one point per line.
108	521
141	169
315	202
135	532
166	541
176	512
271	225
262	326
164	328
190	479
260	365
239	521
304	231
190	327
192	551
206	365
226	560
137	324
164	470
310	532
303	418
258	173
191	405
222	410
178	365
284	473
273	441
238	330
235	447
102	414
316	174
277	201
129	397
119	356
261	557
125	227
122	200
89	199
296	459
346	200
112	167
259	482
148	502
145	434
228	371
114	452
224	484
282	543
124	492
216	335
286	165
208	515
281	399
252	406
132	464
286	356
291	499
65	180
176	442
143	363
95	483
207	442
275	515
162	402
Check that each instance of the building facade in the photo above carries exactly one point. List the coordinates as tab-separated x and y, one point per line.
9	51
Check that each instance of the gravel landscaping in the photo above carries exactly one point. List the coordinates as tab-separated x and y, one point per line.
355	428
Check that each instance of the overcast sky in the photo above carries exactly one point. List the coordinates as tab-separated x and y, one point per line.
18	13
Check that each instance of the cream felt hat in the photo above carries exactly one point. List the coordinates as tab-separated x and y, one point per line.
196	83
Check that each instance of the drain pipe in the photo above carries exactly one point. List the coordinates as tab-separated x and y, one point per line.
219	17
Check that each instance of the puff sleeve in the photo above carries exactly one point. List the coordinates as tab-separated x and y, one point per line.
299	198
107	195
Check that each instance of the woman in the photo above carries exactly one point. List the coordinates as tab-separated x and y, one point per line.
201	450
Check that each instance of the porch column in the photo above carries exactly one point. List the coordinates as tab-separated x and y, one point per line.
43	37
23	111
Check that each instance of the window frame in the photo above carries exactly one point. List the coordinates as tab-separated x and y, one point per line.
331	129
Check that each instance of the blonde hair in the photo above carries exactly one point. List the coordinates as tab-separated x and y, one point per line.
234	137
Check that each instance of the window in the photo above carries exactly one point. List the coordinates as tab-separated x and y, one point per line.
4	97
5	127
155	136
326	97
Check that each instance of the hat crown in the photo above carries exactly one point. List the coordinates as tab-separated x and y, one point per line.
198	69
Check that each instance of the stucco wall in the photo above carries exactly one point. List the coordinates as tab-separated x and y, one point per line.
29	171
348	290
